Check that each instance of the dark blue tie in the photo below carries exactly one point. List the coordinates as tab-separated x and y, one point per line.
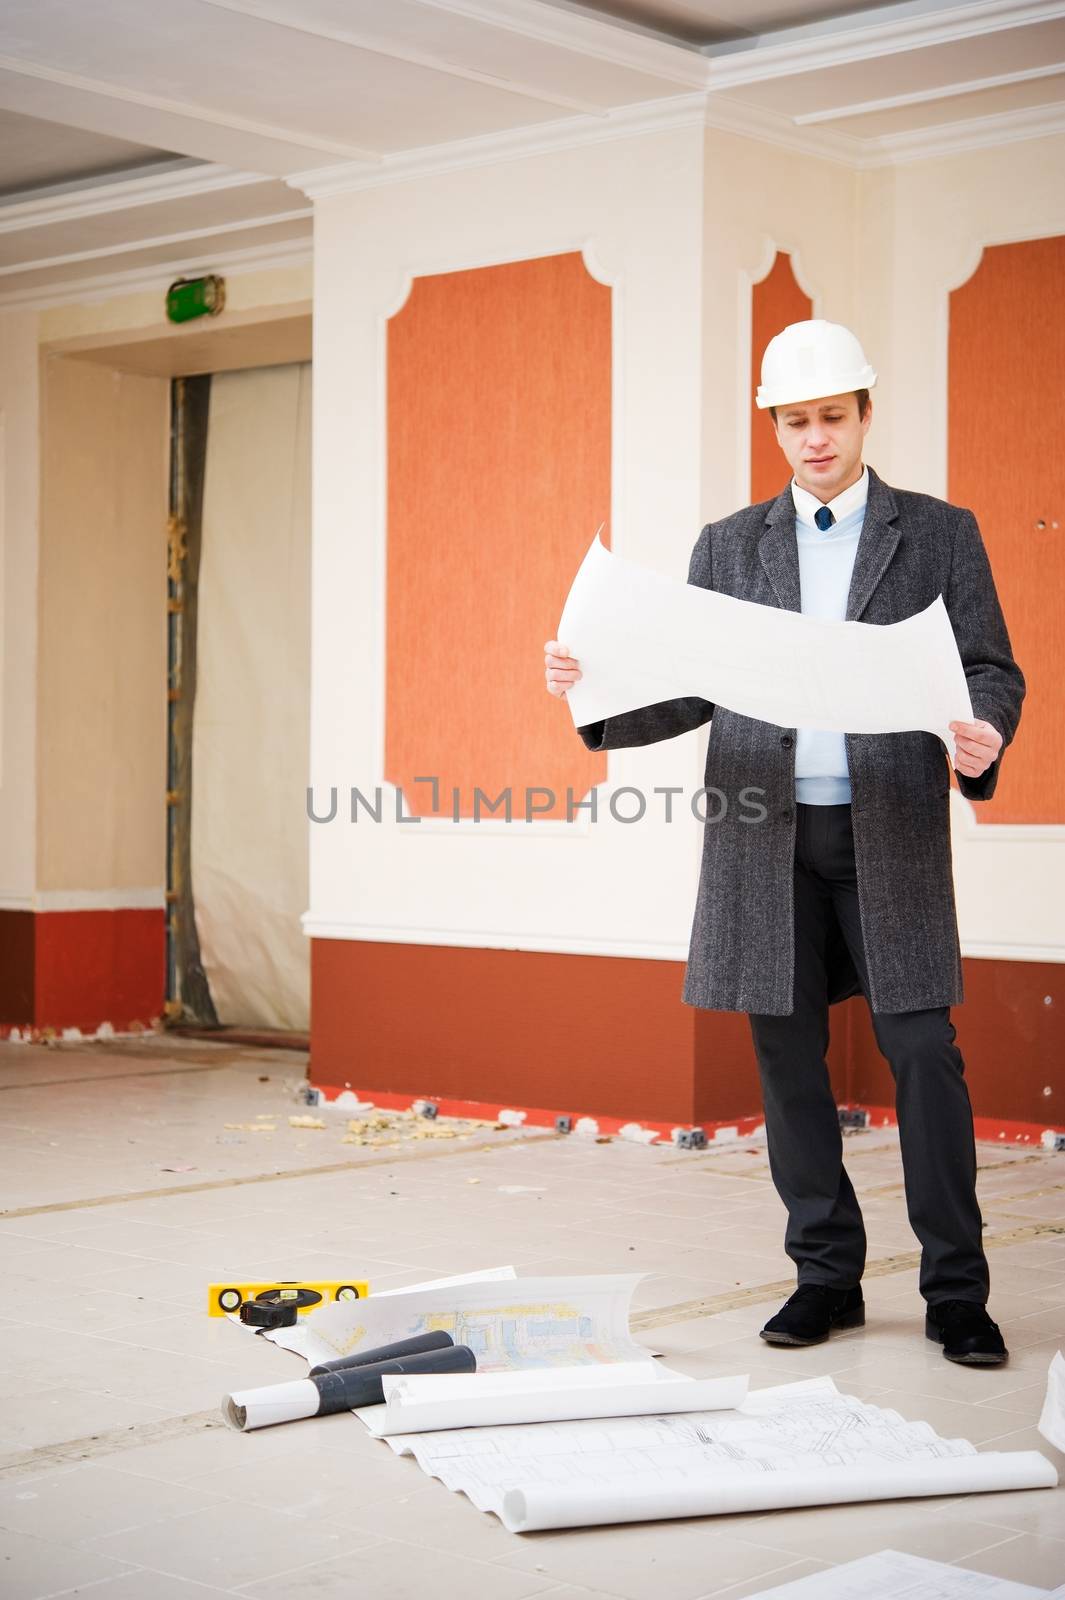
824	518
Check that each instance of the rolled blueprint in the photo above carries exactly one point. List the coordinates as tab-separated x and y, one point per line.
334	1391
643	1499
427	1404
437	1340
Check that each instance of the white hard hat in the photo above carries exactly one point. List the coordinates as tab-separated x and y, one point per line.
809	360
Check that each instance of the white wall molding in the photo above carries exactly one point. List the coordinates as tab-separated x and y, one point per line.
803	50
110	195
492	939
619	949
654	116
1011	950
968	827
990	950
146	899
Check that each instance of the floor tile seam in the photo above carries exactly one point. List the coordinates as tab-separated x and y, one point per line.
39	1459
111	1077
85	1545
776	1574
119	1346
911	1503
1022	1533
96	1202
377	1542
214	1501
94	1583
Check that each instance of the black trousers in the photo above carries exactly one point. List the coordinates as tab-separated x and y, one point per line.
825	1234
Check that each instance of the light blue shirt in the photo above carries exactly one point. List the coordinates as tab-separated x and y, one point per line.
826	561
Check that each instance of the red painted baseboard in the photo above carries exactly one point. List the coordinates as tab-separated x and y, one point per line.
79	969
527	1028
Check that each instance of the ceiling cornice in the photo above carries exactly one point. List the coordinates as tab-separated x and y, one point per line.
916	97
121	194
131	246
800	51
155	278
887	150
714	111
955	138
773	127
655	116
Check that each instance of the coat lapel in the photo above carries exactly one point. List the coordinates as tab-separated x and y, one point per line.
878	543
879	540
780	552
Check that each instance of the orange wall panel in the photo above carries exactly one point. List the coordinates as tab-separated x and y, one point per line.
1006	403
499	468
775	302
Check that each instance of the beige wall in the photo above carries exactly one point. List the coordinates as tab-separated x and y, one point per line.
83	506
18	611
102	655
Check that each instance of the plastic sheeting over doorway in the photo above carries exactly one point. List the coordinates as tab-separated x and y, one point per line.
251	717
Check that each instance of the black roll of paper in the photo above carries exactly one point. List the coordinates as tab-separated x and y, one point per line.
361	1386
387	1352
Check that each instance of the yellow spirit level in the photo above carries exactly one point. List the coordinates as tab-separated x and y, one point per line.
223	1299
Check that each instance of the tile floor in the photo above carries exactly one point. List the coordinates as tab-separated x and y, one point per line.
124	1194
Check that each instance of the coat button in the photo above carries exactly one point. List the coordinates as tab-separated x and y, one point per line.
787	741
787	815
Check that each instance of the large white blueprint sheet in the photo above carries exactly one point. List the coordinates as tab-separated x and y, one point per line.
891	1575
799	1445
527	1323
641	637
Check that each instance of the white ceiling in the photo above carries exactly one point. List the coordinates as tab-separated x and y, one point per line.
143	137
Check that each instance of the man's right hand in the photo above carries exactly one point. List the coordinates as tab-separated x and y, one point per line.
560	668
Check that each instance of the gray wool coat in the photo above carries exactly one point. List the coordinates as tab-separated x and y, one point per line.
912	548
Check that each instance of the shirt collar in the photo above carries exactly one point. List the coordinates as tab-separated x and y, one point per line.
852	499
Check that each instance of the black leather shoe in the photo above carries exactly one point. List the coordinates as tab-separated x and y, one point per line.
966	1333
813	1312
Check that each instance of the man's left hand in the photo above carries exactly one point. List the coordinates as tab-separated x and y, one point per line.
978	744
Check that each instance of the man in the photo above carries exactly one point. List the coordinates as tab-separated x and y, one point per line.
846	886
